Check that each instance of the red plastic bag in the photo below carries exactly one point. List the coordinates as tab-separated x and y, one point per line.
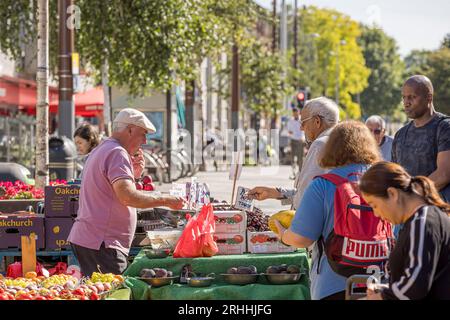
15	270
60	268
197	237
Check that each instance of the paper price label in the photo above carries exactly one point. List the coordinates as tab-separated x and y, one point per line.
242	201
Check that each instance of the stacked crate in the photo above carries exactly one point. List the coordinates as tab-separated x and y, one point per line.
61	206
231	229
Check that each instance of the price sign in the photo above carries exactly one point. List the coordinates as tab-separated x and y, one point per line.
242	201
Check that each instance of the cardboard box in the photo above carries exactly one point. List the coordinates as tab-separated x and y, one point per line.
12	227
56	233
234	221
266	242
230	243
61	201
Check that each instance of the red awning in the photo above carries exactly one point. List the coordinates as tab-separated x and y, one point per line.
21	94
87	104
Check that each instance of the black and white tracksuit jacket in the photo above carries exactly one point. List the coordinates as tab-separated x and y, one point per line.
419	265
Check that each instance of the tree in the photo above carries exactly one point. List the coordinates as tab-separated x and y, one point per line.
330	57
439	74
147	44
417	63
383	94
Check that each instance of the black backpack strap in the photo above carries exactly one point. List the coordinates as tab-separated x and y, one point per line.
320	248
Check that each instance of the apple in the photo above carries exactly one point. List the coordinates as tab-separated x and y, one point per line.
107	286
139	186
100	287
147	180
93	288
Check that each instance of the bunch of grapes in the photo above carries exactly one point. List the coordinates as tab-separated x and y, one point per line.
257	221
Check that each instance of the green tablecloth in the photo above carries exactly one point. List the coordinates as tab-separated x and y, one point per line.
261	290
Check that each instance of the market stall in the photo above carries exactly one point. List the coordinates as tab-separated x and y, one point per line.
220	290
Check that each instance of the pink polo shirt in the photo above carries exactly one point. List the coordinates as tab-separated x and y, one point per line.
101	216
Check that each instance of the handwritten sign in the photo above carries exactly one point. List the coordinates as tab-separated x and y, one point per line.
242	201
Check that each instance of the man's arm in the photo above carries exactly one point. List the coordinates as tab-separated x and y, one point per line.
127	194
441	176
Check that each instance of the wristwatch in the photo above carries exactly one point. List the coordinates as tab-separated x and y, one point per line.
282	194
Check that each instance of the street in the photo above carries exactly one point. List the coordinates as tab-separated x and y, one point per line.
221	187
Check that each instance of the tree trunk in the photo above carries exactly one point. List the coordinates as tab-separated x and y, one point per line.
42	158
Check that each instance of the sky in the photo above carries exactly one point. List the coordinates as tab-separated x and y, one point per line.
414	24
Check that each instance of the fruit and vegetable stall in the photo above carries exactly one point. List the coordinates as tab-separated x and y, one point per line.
240	258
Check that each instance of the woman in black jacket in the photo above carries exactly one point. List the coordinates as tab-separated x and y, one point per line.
419	265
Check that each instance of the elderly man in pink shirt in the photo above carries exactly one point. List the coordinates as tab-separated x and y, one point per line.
104	228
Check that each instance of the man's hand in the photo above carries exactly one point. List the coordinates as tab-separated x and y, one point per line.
138	162
263	193
175	203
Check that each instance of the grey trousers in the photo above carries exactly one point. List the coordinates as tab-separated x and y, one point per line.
104	260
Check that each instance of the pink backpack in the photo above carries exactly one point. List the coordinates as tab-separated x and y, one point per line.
359	239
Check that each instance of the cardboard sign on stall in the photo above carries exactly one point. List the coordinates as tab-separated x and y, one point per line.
28	253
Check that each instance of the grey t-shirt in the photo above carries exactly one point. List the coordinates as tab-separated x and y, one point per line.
416	149
386	148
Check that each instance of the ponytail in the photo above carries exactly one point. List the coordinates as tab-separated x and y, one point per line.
428	192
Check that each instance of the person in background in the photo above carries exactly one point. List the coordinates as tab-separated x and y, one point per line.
349	152
419	265
103	231
319	116
422	147
297	140
377	126
86	138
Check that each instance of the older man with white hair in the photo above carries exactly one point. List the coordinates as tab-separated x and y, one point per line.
319	116
104	228
377	126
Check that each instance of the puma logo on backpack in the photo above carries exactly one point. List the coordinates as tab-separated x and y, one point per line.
359	239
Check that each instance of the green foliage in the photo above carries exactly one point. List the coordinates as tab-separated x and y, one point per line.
262	77
17	25
383	95
439	63
329	52
149	44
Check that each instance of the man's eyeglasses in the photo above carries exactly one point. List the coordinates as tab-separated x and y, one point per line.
302	122
376	131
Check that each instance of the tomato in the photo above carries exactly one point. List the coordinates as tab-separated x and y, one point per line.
24	296
78	292
4	296
94	296
40	298
237	218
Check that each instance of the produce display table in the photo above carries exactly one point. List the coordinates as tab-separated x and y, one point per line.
220	290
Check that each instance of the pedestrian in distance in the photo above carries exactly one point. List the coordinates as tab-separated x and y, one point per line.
377	126
296	140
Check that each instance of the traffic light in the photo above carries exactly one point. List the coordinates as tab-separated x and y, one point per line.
301	99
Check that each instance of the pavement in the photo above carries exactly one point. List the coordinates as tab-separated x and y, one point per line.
221	186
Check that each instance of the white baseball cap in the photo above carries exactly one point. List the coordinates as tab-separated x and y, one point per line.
135	117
